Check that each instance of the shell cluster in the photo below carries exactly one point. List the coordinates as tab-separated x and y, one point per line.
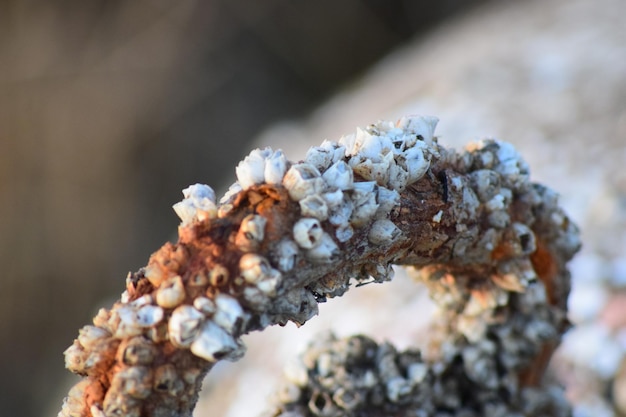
288	235
356	376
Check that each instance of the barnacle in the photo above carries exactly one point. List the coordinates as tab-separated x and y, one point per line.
490	246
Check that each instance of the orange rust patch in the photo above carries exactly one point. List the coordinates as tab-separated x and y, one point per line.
532	375
94	394
547	270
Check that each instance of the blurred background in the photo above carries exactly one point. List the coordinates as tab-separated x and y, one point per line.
108	109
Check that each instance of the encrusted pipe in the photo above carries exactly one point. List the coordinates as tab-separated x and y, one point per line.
490	245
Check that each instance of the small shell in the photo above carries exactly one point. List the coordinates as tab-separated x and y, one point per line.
254	268
171	293
229	313
326	250
398	177
128	324
218	276
138	351
275	167
134	381
184	325
387	199
319	157
234	189
347	399
423	127
339	176
416	163
89	336
365	205
314	206
307	233
286	254
149	315
383	231
344	233
166	380
155	273
251	170
302	180
255	298
214	343
204	305
199	192
333	199
340	215
338	152
251	232
199	204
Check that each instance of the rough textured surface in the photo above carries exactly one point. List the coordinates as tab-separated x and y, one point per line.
490	244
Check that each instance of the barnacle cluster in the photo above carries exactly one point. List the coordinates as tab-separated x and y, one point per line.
490	245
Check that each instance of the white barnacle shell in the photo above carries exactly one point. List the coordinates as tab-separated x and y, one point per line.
307	232
326	250
88	336
387	199
333	198
365	205
138	351
344	233
319	157
423	127
383	231
229	314
275	167
234	189
183	325
149	315
134	381
285	254
128	324
338	151
251	170
171	293
214	343
198	204
373	170
416	163
340	215
251	232
166	380
398	177
302	180
204	305
254	268
314	206
339	175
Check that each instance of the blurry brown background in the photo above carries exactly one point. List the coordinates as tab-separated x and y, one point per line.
108	109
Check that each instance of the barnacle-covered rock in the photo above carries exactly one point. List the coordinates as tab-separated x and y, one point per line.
490	246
